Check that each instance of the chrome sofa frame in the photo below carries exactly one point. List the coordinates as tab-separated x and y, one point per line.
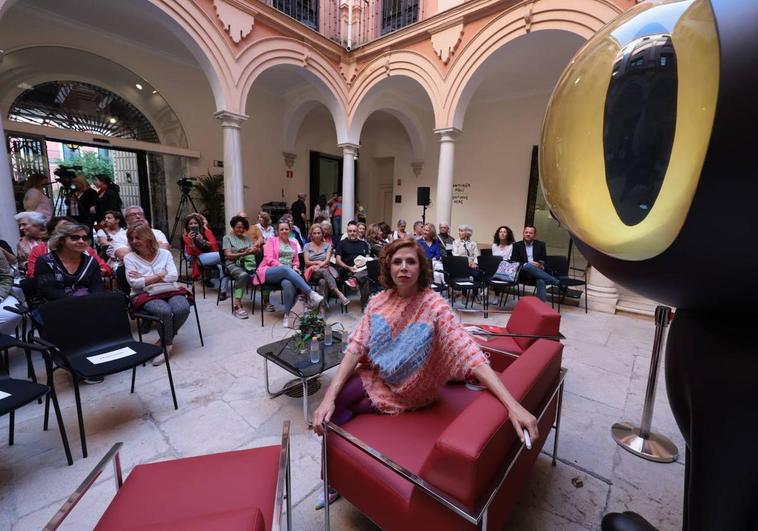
477	517
283	484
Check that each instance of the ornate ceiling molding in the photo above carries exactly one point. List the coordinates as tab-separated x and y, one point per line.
236	17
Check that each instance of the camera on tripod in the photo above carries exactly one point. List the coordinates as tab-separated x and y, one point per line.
185	184
65	176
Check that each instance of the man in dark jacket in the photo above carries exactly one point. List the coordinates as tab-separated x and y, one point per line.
532	253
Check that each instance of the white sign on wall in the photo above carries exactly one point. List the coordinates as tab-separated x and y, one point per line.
461	192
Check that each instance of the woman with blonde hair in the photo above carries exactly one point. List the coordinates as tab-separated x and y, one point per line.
67	270
151	270
35	199
317	255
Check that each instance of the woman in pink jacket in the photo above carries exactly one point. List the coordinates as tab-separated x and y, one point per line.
280	266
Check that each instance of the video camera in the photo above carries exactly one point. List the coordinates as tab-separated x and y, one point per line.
65	175
185	184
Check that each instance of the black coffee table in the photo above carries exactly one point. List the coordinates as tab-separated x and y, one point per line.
284	354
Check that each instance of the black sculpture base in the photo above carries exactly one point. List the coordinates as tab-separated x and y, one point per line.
711	375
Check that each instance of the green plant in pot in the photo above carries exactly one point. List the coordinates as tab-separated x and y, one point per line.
210	190
311	325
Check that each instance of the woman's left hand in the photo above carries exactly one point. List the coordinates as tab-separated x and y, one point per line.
134	274
522	419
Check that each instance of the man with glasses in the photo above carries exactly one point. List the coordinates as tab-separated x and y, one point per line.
119	246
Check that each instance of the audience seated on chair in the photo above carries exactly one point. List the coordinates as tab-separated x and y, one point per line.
407	346
502	242
200	243
40	250
280	266
111	226
326	228
347	251
31	225
444	237
532	253
465	246
317	255
375	238
264	225
67	270
430	244
8	320
239	253
152	275
134	216
400	232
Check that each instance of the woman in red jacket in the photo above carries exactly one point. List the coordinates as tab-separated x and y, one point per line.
200	243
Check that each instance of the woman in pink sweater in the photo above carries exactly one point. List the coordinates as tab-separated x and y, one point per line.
407	346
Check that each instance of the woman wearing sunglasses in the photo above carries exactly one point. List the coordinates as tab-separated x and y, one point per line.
67	270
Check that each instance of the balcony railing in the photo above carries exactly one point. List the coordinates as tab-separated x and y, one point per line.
352	23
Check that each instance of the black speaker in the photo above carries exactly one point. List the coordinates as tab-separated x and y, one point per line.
422	196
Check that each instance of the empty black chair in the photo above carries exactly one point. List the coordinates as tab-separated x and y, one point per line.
15	393
459	278
75	343
558	266
373	270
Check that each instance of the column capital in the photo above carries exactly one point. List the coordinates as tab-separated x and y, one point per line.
348	148
230	119
289	159
417	166
448	134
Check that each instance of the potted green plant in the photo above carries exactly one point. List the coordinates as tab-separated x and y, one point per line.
311	325
210	190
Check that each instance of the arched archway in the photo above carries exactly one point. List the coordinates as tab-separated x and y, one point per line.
87	108
583	18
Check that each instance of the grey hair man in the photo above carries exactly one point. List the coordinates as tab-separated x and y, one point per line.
119	246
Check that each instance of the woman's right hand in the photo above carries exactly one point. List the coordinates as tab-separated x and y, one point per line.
322	414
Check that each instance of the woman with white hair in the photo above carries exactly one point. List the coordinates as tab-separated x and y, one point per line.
31	225
465	246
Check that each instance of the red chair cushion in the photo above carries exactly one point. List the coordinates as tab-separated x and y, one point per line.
406	438
218	491
531	316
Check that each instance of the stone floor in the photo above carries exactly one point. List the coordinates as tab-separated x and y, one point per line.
223	406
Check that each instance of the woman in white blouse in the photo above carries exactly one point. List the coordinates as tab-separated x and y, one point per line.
151	270
502	243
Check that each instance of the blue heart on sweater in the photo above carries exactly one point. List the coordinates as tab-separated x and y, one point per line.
400	357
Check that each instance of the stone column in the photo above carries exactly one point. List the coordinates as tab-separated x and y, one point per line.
234	193
348	183
602	293
8	226
445	173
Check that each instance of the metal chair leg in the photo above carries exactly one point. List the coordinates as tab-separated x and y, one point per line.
170	378
134	376
61	427
79	414
47	413
557	425
199	330
11	424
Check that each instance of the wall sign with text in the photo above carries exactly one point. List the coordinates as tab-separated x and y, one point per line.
461	192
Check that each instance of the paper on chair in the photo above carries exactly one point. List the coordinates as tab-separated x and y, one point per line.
4	395
105	357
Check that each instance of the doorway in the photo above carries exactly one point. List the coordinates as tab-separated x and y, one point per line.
325	177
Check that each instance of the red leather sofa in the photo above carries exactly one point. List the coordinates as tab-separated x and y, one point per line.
240	490
456	465
530	320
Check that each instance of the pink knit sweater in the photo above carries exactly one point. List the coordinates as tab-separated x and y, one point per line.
408	348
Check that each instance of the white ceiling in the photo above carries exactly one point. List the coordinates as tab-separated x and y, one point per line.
528	65
133	20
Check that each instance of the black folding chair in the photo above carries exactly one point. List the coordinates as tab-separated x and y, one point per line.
123	286
230	280
22	392
74	343
558	266
459	278
373	270
263	286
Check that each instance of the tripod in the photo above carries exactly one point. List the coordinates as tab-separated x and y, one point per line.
180	207
60	206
